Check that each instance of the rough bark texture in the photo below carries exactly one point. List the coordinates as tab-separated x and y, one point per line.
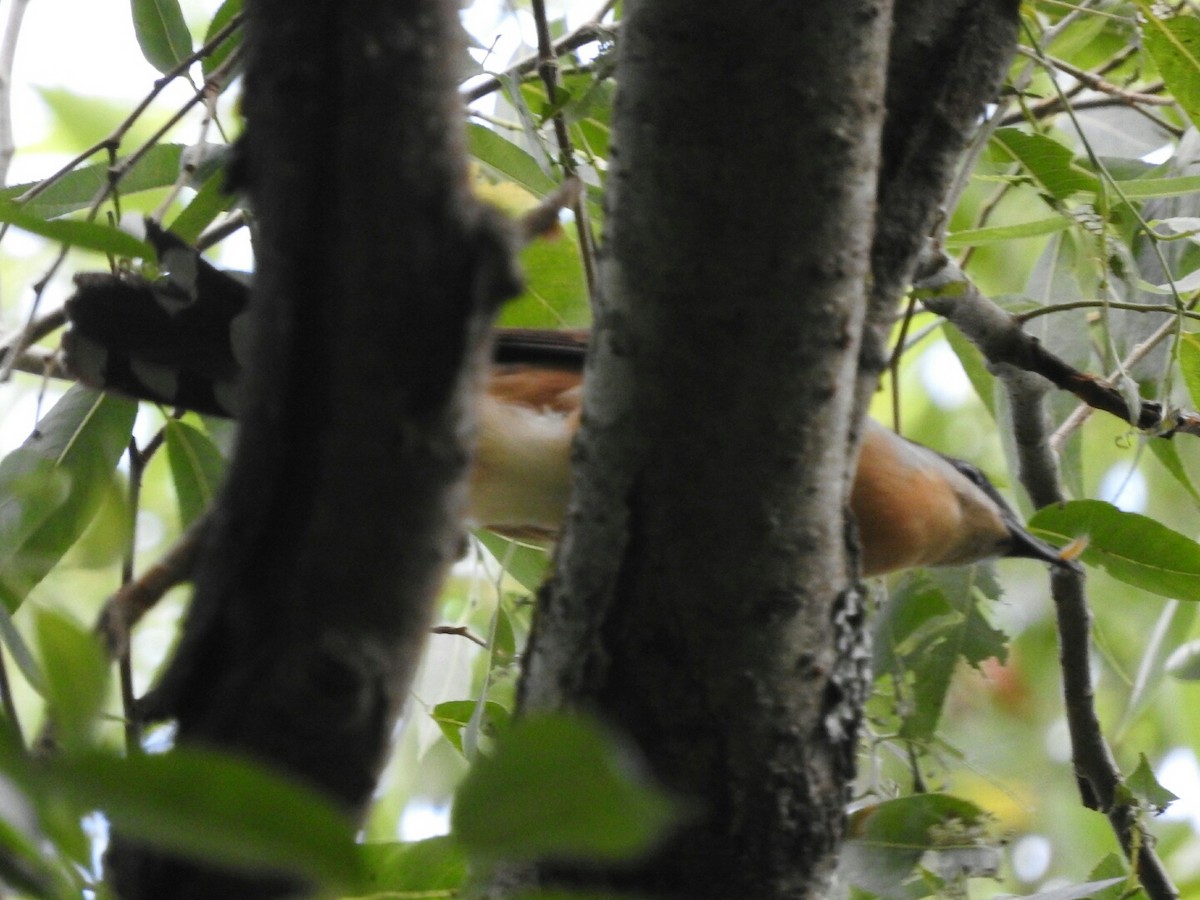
378	275
947	59
704	602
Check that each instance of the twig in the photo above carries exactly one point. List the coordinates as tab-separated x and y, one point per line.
8	55
137	467
113	140
460	631
544	217
1096	83
116	172
1099	777
233	223
946	290
548	69
1029	315
124	609
589	32
35	331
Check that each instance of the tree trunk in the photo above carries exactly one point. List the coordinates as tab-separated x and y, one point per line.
378	274
704	600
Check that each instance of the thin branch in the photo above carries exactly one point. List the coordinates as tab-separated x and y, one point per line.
589	32
459	631
1096	83
113	140
548	69
116	172
8	55
1029	315
125	608
138	460
947	291
1100	779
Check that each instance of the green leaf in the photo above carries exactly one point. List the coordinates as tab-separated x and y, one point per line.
161	33
1132	548
73	451
1089	891
434	866
1174	43
931	622
89	235
1112	880
1189	364
1145	787
76	677
12	641
974	364
453	716
23	864
210	201
1051	165
559	787
555	287
197	468
1000	234
213	807
223	16
1167	453
526	565
506	160
79	189
886	841
1148	188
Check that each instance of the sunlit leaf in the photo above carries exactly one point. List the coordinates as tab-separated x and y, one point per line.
74	449
210	201
997	234
1146	787
1167	452
1132	548
1189	364
1050	164
555	294
559	787
1148	188
161	33
223	16
1174	43
505	159
524	564
89	235
434	867
453	717
1087	891
78	189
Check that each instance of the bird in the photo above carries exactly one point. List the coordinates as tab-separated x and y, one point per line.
176	340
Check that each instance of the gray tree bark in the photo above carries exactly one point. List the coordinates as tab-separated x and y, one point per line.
378	276
763	221
705	602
